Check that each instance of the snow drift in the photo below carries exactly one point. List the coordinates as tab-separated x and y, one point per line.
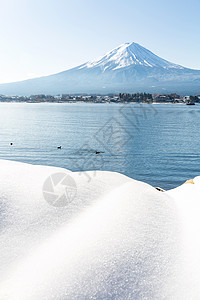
118	239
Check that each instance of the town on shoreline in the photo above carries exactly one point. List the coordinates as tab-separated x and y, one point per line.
110	98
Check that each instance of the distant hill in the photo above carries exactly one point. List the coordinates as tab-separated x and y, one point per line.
127	68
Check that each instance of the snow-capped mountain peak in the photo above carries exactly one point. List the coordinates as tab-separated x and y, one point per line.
129	54
127	68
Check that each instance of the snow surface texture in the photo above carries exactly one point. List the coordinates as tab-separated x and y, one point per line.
118	239
129	54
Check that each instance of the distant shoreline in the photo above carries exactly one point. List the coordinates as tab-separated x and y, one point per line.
119	98
82	102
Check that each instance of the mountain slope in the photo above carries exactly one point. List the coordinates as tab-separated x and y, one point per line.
127	68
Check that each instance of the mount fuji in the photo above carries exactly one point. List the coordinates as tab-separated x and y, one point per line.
127	68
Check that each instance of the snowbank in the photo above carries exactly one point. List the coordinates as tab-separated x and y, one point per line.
117	238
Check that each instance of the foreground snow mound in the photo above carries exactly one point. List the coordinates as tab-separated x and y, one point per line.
117	238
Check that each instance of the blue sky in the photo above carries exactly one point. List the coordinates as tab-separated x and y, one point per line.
41	37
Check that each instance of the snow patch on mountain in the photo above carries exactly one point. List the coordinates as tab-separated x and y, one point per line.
129	54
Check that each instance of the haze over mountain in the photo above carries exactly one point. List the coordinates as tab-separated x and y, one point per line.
127	68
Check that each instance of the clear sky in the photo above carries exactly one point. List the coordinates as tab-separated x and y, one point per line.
41	37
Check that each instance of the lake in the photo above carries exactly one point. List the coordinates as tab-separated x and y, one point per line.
157	144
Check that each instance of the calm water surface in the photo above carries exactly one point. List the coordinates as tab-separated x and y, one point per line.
158	144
